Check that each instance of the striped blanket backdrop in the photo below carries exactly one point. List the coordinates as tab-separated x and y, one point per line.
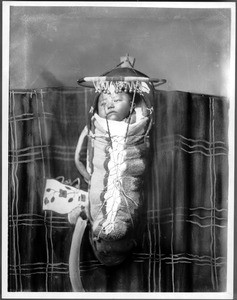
182	247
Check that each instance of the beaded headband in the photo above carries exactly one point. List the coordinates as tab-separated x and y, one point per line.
118	86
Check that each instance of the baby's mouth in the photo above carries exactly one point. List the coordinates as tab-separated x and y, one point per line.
111	113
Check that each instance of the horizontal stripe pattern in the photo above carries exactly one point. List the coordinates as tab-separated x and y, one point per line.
61	152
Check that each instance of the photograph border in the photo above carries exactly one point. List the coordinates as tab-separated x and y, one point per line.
231	260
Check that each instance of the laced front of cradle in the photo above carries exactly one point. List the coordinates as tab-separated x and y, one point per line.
114	191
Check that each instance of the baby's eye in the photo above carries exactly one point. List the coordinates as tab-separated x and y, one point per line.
102	103
117	100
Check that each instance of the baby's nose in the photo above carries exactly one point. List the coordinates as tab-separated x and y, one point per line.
110	103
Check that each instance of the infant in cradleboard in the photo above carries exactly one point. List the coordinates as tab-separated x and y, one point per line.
116	143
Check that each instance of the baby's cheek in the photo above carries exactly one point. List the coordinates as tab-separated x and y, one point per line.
101	112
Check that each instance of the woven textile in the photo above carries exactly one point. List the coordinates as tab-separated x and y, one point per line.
181	241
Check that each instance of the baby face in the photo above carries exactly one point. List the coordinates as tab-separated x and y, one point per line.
114	106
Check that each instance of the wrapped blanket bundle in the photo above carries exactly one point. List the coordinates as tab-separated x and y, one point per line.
117	176
115	193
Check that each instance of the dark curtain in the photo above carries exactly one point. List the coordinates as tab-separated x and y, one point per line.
182	247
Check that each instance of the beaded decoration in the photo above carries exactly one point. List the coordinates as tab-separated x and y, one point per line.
108	87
